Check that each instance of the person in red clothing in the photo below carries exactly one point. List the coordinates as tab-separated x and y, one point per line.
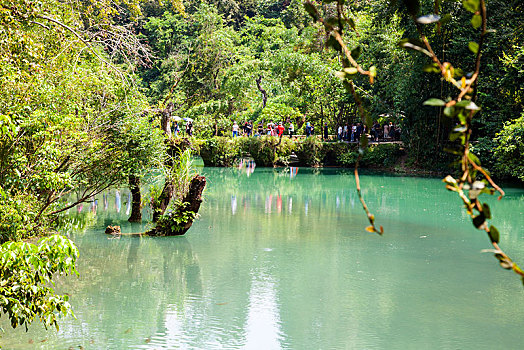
280	129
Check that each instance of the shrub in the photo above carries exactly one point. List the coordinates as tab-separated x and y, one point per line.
484	149
333	151
219	151
509	153
308	151
381	155
267	150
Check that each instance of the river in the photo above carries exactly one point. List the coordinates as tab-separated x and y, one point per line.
280	259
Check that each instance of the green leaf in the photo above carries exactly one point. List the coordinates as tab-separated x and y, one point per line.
494	234
341	75
445	19
431	68
452	151
479	220
363	141
471	5
351	70
434	102
414	44
449	111
473	47
486	210
351	22
476	21
373	71
333	43
462	104
475	160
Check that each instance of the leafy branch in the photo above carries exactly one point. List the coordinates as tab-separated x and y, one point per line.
462	109
334	26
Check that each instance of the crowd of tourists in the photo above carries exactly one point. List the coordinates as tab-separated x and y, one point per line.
271	129
385	132
188	128
351	133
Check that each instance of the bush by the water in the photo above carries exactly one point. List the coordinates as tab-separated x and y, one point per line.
377	155
267	150
309	151
219	151
509	153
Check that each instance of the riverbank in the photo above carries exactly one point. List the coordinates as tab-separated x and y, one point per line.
270	151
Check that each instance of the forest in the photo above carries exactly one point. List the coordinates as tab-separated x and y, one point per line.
85	86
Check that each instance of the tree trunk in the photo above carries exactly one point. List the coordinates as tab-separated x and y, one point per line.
134	186
192	201
163	201
264	93
166	119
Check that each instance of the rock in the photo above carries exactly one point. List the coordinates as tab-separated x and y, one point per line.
113	230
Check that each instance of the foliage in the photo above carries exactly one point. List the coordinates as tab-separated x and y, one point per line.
484	148
219	151
308	151
71	121
26	278
175	218
509	151
462	110
181	174
267	151
332	152
378	156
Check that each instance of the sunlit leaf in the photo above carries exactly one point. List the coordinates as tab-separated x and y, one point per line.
351	70
471	5
373	71
434	102
473	47
476	21
428	19
414	44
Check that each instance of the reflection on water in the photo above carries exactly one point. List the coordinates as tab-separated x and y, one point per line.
283	262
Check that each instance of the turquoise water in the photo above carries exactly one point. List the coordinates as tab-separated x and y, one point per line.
282	261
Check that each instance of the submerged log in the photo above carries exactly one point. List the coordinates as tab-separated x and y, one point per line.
113	230
190	204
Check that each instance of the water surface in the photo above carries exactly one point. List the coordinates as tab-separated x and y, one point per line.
280	260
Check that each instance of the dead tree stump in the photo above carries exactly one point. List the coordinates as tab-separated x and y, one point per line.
190	203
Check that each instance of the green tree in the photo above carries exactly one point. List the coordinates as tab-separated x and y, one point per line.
26	280
509	151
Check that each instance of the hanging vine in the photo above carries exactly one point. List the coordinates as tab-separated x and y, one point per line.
462	109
